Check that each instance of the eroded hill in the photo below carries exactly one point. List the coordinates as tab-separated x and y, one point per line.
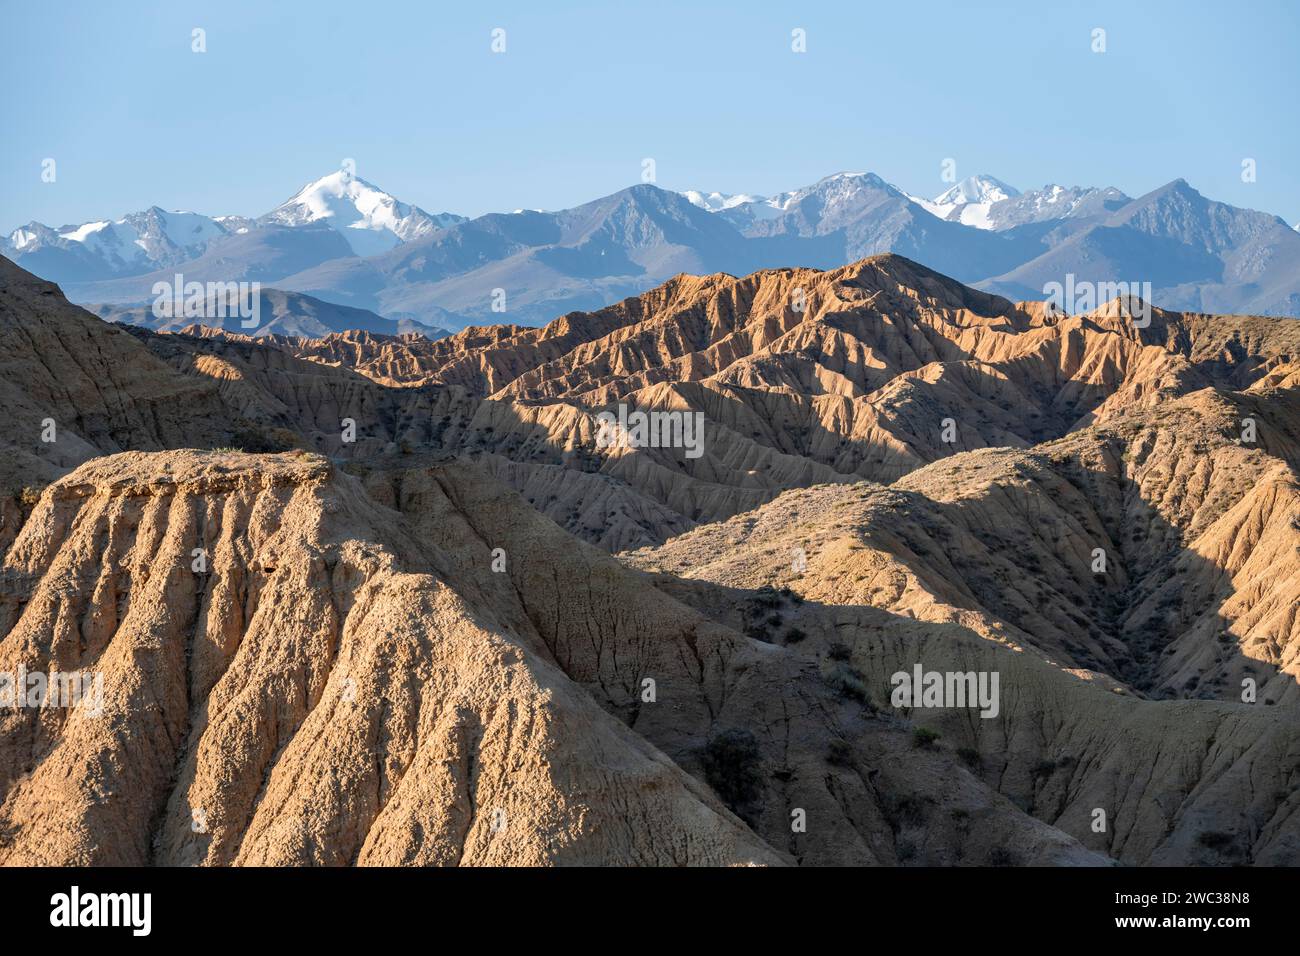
431	596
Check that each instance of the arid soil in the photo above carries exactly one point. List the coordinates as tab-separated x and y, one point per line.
386	600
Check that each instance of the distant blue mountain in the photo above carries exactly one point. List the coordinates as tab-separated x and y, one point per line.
528	267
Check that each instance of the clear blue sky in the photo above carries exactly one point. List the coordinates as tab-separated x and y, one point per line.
711	91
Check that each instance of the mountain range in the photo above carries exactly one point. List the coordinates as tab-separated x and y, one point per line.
343	240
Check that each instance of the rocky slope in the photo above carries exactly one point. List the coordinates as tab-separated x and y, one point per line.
73	387
888	367
344	683
410	642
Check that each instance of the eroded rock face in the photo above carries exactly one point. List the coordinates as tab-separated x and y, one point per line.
1142	706
802	378
73	387
342	684
313	697
413	645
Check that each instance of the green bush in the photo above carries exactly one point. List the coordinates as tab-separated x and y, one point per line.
847	682
731	762
839	753
924	737
261	441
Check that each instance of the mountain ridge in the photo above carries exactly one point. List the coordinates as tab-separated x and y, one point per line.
527	267
382	661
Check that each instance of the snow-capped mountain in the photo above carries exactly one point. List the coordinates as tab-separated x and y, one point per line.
969	201
716	202
1198	254
1052	203
833	191
237	225
141	239
832	195
369	219
977	189
832	198
162	235
104	248
988	203
442	271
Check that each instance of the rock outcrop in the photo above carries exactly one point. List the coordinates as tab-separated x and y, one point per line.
405	605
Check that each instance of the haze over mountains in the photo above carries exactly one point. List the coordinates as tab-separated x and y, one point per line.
430	644
278	313
343	240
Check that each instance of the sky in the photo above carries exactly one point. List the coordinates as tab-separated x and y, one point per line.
413	93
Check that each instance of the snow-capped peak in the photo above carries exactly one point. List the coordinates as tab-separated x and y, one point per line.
963	204
152	236
834	190
969	201
976	189
715	201
836	193
370	219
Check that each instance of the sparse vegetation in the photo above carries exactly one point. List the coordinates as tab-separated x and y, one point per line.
731	762
839	651
924	738
847	682
974	566
261	441
907	810
839	753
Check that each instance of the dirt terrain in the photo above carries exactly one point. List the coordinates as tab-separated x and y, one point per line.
386	600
